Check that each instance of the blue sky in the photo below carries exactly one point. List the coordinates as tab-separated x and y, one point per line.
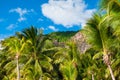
49	15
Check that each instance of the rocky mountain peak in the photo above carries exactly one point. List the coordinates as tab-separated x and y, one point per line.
80	41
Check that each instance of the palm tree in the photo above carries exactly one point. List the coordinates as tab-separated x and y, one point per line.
15	48
36	60
113	10
100	36
66	58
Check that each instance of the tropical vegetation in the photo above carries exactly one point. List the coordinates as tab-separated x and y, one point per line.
32	55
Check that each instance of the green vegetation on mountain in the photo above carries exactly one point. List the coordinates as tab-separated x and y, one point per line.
63	35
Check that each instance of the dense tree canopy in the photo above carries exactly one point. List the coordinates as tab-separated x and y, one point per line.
31	55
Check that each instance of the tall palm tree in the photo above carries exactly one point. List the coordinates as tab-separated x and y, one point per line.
112	8
15	48
37	61
100	36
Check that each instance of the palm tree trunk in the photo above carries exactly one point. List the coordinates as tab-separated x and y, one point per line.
109	67
18	70
93	77
40	78
107	62
111	72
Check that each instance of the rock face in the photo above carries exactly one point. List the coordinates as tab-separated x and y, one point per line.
80	41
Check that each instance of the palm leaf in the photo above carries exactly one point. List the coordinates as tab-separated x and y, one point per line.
98	55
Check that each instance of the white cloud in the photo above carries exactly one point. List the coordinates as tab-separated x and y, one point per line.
11	26
21	12
53	28
67	12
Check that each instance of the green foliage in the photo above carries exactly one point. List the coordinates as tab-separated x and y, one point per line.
69	71
55	57
62	36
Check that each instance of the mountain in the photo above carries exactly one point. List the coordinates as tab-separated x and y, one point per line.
80	41
62	36
76	36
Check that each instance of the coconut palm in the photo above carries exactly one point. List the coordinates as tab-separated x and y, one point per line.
14	48
99	34
36	60
113	10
